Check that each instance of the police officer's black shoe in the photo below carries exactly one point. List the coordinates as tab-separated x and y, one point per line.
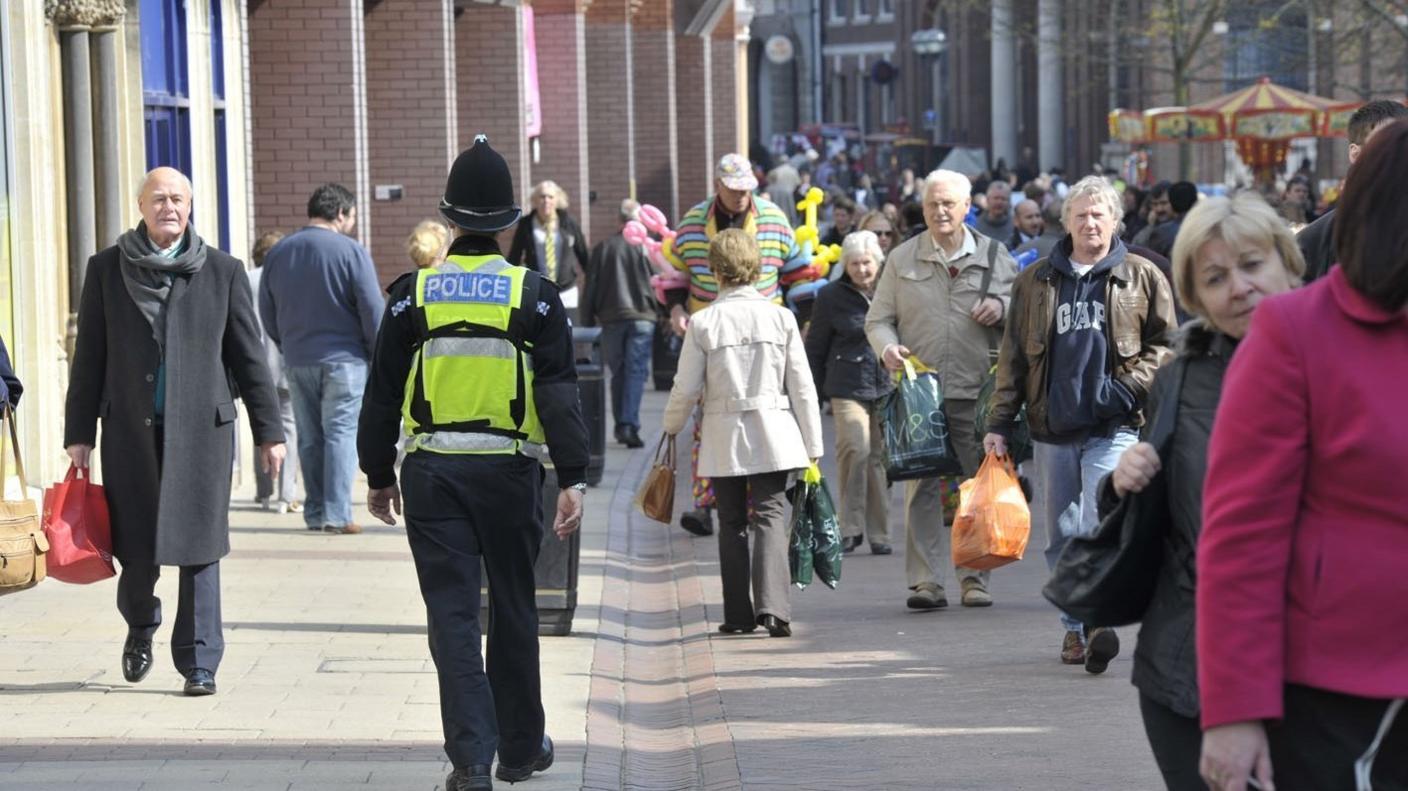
514	774
200	682
136	658
471	778
700	523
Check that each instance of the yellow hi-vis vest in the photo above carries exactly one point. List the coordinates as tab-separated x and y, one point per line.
470	389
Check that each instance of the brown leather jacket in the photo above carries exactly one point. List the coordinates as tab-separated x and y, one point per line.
1140	306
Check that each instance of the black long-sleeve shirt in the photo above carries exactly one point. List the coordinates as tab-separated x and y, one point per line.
554	379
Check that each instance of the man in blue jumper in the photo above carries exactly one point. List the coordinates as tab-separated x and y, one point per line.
321	304
1087	329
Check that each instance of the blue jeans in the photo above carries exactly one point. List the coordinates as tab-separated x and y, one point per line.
327	398
625	348
1066	480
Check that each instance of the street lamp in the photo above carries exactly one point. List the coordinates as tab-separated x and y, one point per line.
931	43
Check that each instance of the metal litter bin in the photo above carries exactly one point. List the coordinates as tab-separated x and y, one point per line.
665	355
554	574
591	390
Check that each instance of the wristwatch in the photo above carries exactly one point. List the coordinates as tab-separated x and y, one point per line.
580	487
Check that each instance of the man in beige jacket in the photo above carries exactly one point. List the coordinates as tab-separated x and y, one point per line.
942	297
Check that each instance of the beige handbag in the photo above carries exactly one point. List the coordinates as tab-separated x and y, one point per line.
656	498
22	541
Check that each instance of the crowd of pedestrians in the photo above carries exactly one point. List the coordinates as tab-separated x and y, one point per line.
1189	363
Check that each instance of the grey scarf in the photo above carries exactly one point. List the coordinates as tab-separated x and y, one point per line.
148	274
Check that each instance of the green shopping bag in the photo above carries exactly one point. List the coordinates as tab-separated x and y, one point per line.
799	544
917	443
1019	448
815	544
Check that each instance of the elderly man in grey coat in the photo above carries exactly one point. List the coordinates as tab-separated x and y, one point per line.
166	329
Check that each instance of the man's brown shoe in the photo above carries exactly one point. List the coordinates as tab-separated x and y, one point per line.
349	529
927	596
975	593
1073	649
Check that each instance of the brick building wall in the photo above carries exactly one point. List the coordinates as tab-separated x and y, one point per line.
489	72
303	105
611	143
695	110
722	64
409	121
562	72
656	119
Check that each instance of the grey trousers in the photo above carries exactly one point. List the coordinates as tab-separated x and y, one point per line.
927	537
765	572
287	489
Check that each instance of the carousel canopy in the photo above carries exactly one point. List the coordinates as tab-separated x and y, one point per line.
1262	112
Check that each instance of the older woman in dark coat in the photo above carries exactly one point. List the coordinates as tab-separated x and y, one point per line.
847	371
166	328
1229	255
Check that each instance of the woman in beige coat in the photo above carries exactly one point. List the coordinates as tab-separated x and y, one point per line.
743	359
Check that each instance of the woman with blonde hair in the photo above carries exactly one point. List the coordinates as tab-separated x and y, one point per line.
847	371
549	241
427	242
743	358
1230	254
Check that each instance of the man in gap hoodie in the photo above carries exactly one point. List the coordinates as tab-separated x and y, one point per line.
1088	328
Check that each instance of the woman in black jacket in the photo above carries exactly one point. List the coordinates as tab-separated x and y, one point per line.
550	242
847	372
1230	254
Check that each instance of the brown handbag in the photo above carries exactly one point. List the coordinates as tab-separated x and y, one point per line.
22	541
656	497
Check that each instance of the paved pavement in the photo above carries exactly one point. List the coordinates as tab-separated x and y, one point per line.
327	682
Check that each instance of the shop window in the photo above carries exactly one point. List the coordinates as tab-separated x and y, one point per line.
165	90
840	12
217	84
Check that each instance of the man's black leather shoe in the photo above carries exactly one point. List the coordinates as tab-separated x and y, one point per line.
776	626
633	439
471	778
200	682
136	659
513	774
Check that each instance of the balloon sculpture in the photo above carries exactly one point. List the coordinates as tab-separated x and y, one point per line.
638	232
809	238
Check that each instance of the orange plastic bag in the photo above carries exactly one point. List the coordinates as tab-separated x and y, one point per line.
993	521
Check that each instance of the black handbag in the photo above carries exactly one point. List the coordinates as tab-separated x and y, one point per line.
1108	578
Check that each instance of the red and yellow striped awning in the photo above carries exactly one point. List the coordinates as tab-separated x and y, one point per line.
1267	111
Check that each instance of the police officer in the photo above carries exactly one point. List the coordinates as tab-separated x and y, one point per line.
474	358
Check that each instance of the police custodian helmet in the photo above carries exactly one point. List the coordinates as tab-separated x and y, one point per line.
479	193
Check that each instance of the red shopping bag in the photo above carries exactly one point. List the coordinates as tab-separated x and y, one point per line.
76	524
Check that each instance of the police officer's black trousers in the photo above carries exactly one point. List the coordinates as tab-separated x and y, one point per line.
461	509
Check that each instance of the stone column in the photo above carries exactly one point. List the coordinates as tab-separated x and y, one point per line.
1050	101
563	153
610	113
107	122
74	20
655	108
1004	96
742	20
489	69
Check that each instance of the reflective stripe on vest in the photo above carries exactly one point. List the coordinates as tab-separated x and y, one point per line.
470	388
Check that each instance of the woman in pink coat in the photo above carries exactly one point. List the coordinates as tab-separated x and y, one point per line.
1302	598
